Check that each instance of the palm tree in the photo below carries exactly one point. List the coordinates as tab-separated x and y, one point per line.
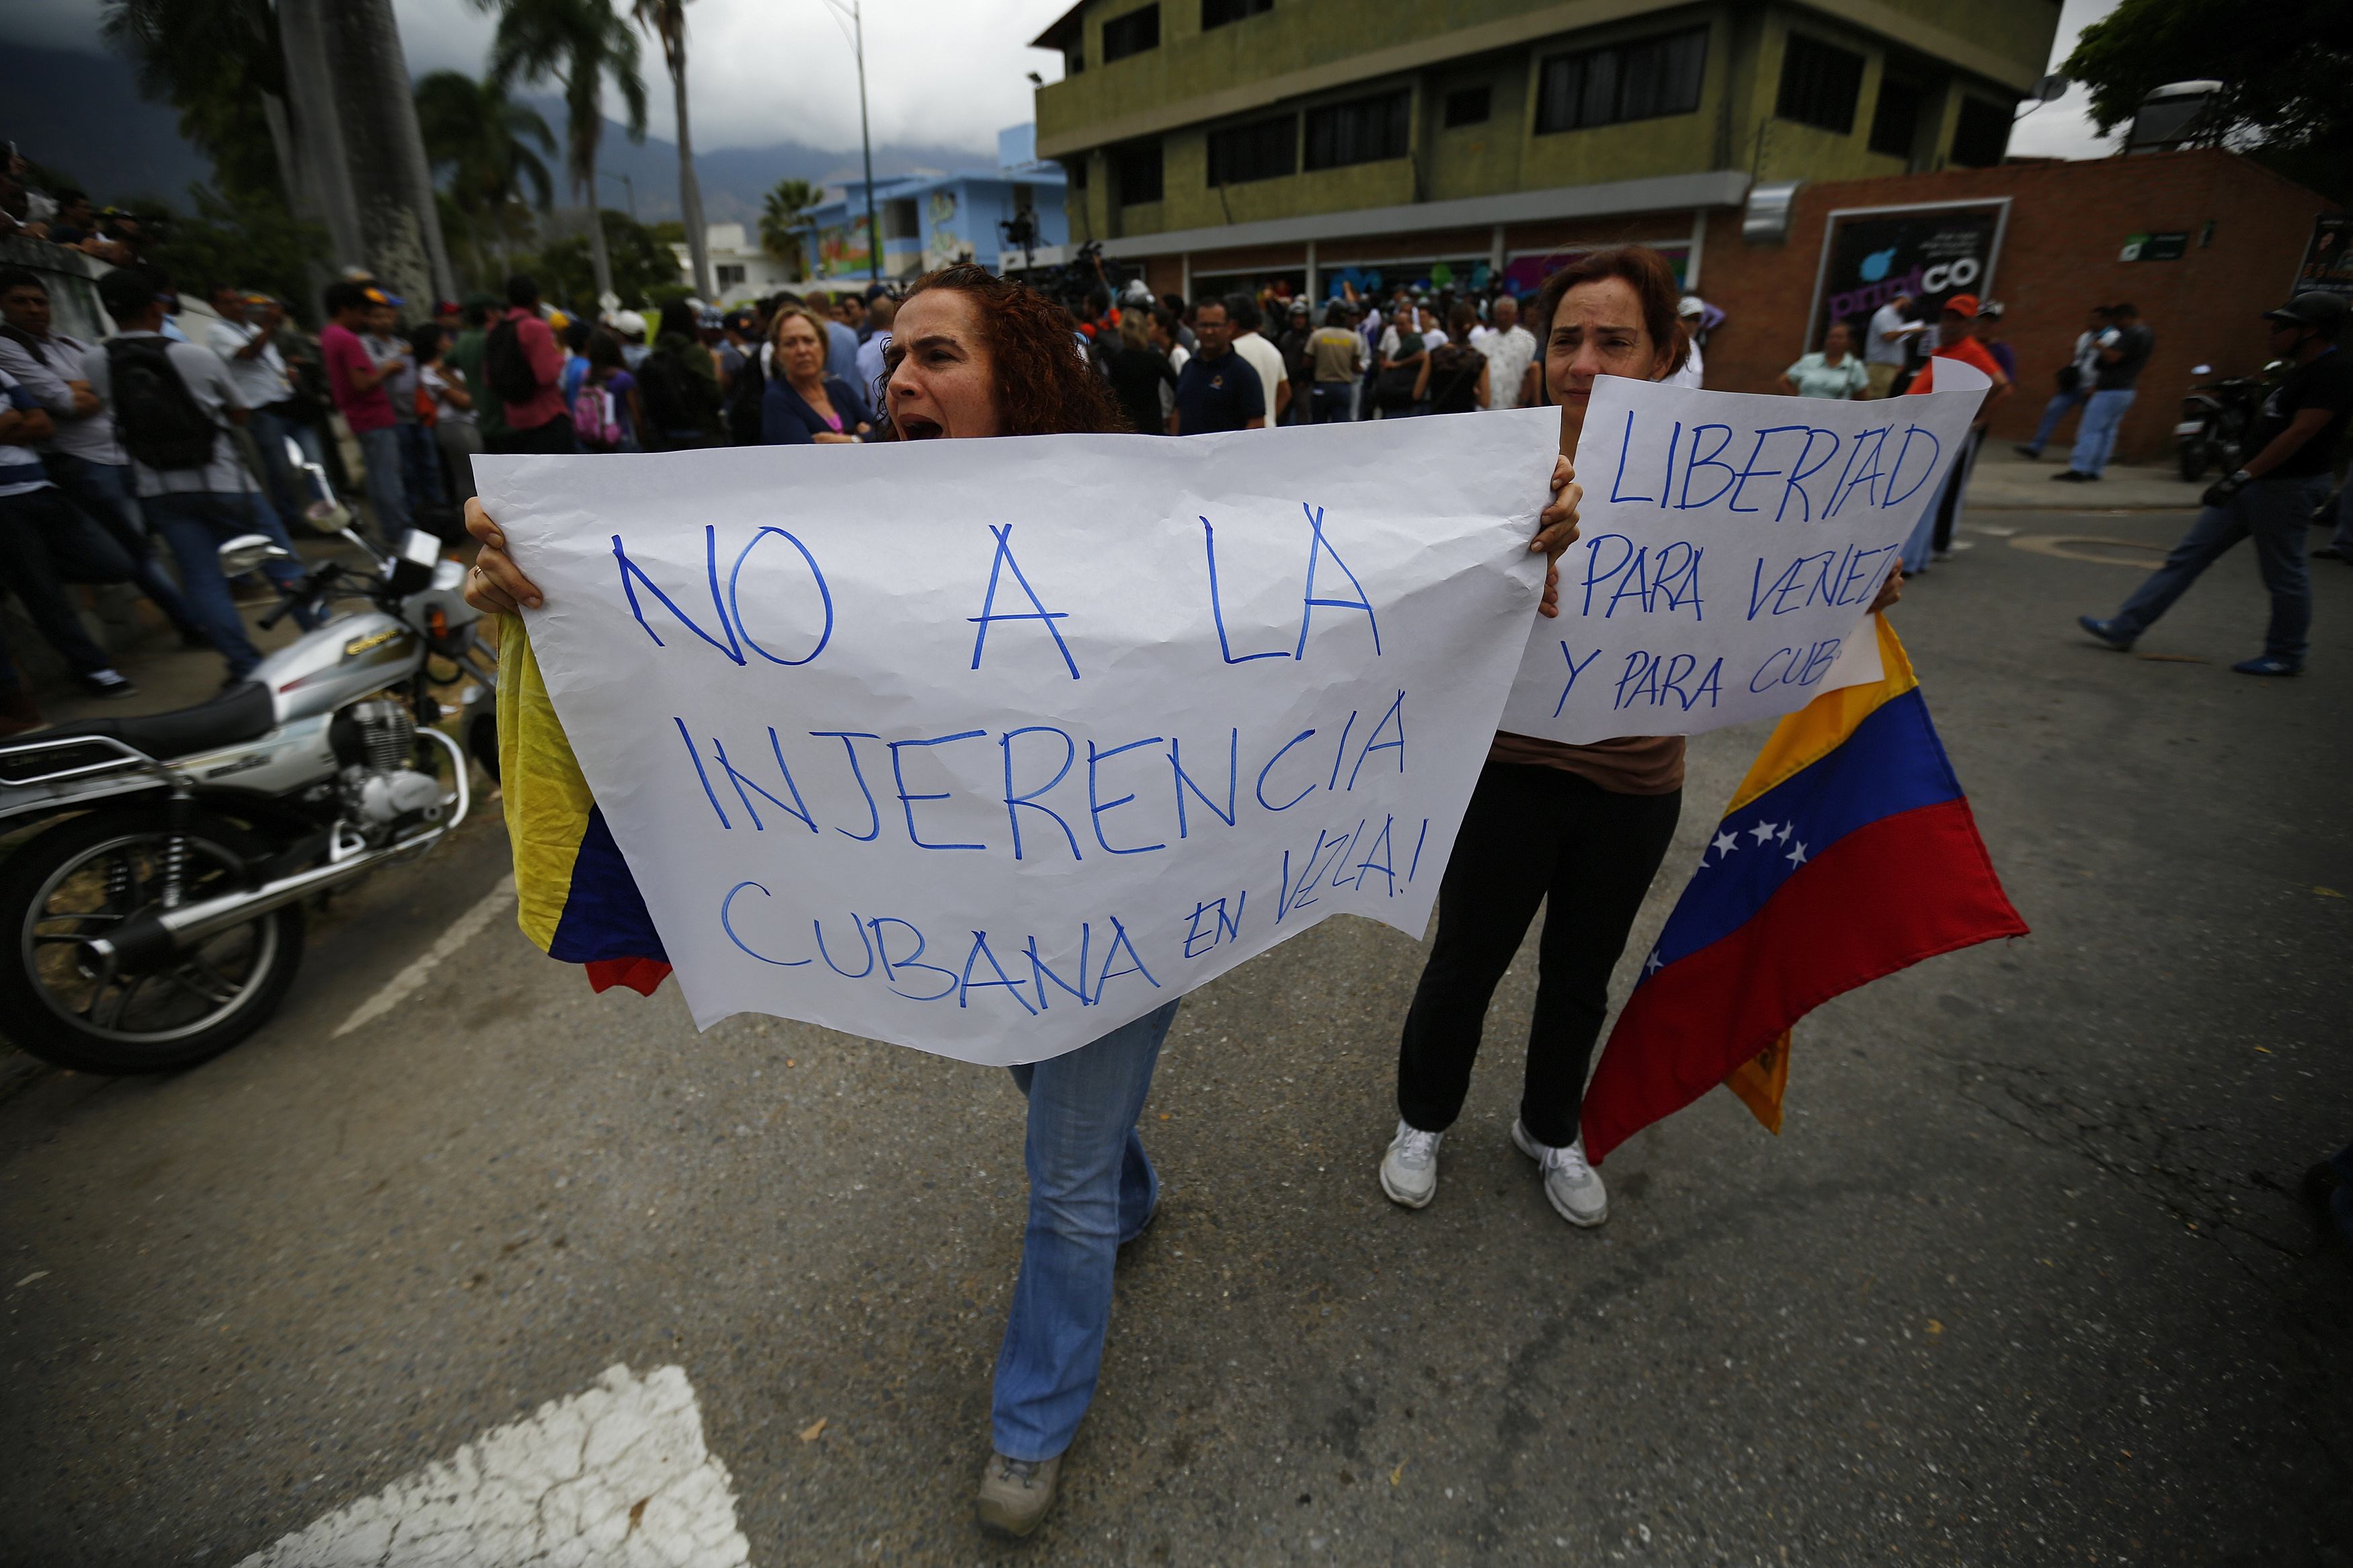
480	139
666	20
780	215
579	43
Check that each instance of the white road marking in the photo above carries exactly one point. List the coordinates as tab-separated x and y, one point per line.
411	980
616	1477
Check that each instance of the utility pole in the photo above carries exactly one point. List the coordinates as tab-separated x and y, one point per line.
865	139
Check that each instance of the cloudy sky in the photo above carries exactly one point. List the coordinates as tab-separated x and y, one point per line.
943	72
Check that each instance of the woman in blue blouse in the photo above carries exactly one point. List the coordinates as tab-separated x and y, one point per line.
803	404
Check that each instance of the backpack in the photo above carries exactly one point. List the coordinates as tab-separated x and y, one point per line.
595	420
746	389
506	365
677	402
160	421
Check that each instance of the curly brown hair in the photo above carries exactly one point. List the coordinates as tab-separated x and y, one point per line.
1044	385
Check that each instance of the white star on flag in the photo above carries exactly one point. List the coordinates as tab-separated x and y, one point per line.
1654	963
1764	832
1786	828
1726	843
1797	857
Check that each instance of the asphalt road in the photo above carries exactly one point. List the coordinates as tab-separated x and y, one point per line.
2024	1281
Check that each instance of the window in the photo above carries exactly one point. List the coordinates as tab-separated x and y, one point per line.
1076	171
1263	150
1217	13
1820	84
730	275
1639	80
1468	106
1896	122
1131	33
1136	168
1362	131
1982	136
1074	61
899	219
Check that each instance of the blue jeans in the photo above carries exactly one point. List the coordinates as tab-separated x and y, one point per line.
2343	538
196	524
1334	402
380	450
280	487
2054	412
1090	1188
2274	513
103	491
2096	438
420	464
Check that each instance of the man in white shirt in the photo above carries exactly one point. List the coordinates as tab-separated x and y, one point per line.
1692	311
85	459
1510	349
1261	356
247	342
2085	363
1886	343
197	506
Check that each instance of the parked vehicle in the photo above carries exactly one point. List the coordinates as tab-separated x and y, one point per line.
157	920
2215	418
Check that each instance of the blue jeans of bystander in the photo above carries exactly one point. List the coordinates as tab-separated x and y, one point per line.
196	524
380	450
2054	412
1335	402
420	465
1090	1188
2096	438
103	491
2274	513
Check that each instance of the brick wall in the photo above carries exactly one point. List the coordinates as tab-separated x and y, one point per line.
2067	223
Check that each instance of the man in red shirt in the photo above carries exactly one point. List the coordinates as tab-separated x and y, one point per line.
356	383
1956	339
524	355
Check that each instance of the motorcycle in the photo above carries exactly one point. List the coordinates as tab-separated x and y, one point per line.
2215	418
158	920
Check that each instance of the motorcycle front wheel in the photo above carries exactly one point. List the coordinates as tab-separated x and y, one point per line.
87	875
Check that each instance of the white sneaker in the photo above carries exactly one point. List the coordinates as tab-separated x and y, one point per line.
1409	1169
1572	1186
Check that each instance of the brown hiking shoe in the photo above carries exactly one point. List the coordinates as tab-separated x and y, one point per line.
1016	1495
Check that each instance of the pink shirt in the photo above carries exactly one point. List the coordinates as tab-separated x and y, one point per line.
546	358
343	352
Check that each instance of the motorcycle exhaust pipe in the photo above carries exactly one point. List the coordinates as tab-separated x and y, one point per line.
148	941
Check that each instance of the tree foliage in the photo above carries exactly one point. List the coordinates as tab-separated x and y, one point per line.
780	210
579	44
214	61
243	245
641	264
2285	66
486	149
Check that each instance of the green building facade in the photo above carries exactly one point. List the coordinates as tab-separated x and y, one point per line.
1285	132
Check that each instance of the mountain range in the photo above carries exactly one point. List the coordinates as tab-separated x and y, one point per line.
81	115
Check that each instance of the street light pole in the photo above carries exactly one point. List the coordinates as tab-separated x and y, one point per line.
854	11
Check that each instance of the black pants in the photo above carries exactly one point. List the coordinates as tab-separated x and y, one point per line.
46	543
1532	834
1949	505
555	437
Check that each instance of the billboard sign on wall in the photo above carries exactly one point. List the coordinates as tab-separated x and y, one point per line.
1871	256
2328	256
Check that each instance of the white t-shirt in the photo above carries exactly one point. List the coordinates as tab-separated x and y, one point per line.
20	467
207	381
1879	349
1690	373
261	380
437	382
45	375
1508	353
1267	359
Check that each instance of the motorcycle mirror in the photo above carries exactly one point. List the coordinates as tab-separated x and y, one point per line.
2201	370
247	551
295	455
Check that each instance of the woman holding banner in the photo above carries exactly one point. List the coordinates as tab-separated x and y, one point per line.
974	355
1580	829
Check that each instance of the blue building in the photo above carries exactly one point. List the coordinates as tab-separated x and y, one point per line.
933	220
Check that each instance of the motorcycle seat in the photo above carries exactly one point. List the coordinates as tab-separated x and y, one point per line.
241	714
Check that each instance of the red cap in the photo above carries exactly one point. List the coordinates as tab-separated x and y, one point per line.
1962	304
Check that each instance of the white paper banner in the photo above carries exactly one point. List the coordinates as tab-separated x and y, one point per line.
1729	546
988	747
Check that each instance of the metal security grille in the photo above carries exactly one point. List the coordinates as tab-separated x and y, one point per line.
1261	150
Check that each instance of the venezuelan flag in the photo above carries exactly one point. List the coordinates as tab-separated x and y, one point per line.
1848	853
575	897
